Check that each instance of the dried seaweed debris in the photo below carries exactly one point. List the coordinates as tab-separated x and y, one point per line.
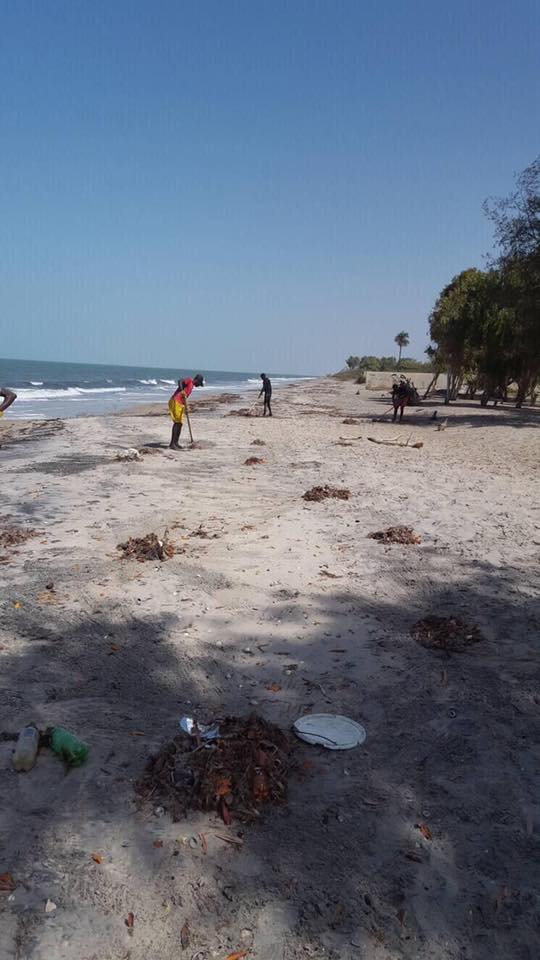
323	493
448	634
245	768
149	547
396	535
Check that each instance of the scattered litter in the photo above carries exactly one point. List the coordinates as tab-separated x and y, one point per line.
149	547
330	730
158	844
25	753
184	936
236	841
50	906
96	857
202	532
395	535
285	594
7	883
48	597
242	412
252	461
412	855
200	731
239	955
66	746
273	687
322	493
129	454
244	768
449	634
130	921
328	573
425	831
258	443
149	451
350	421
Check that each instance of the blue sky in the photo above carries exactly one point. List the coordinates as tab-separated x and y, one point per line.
238	185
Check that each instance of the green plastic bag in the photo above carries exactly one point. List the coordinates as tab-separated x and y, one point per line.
67	746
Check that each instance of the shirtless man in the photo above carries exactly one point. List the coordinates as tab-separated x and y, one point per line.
9	398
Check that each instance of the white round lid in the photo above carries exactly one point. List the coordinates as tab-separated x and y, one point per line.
330	730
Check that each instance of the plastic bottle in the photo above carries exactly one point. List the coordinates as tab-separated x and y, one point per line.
26	748
67	746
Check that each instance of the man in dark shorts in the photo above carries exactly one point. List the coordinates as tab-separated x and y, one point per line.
267	390
9	398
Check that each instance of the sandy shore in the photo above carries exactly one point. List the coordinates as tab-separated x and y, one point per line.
293	594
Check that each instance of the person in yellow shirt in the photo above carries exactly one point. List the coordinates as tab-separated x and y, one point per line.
177	406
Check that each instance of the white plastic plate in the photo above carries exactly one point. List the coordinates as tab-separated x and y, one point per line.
330	730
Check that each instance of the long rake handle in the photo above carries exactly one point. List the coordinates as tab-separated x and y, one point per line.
188	418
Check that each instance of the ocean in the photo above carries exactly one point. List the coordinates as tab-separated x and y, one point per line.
46	389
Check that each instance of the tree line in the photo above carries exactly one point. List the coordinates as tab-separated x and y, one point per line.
402	339
485	325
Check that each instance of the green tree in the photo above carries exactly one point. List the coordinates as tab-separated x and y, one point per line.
370	363
517	234
402	339
352	362
450	327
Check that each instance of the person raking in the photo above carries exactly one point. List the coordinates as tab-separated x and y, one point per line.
267	390
177	406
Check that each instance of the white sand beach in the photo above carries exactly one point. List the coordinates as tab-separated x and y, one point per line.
421	843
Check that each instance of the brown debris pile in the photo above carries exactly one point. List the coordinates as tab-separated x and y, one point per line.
14	536
395	535
242	412
258	443
323	493
149	547
350	421
234	775
11	536
449	634
252	461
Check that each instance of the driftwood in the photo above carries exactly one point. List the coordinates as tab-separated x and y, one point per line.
399	443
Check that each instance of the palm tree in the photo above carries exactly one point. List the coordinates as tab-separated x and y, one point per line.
402	339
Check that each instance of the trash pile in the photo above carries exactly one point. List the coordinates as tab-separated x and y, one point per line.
322	493
232	768
252	461
149	547
258	443
448	634
350	421
395	535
